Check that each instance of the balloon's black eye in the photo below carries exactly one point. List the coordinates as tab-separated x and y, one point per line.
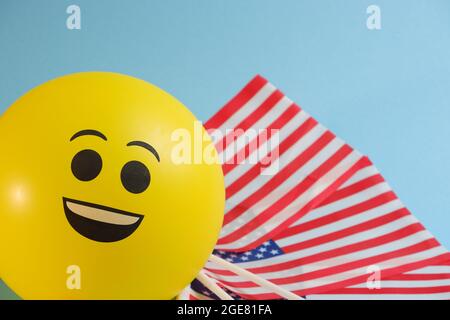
86	165
135	177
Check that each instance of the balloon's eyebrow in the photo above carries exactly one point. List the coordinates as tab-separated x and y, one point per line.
88	132
145	145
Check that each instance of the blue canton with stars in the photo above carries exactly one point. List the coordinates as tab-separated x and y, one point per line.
268	249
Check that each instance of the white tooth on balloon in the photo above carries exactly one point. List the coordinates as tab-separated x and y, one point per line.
101	214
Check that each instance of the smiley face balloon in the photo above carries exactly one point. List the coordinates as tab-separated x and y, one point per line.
93	203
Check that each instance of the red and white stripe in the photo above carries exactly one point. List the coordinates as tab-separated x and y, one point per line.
309	165
362	224
328	208
429	283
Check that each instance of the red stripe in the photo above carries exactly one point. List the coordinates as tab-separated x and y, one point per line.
243	154
250	120
339	215
353	189
251	174
295	192
236	103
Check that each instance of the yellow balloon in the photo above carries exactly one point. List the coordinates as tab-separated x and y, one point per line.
93	203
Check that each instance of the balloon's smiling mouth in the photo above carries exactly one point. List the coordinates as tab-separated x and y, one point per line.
100	223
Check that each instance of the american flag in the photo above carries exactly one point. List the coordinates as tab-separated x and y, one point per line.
312	214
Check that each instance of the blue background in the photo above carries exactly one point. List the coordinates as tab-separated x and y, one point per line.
385	92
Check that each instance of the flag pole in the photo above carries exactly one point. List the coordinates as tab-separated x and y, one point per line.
212	285
254	278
